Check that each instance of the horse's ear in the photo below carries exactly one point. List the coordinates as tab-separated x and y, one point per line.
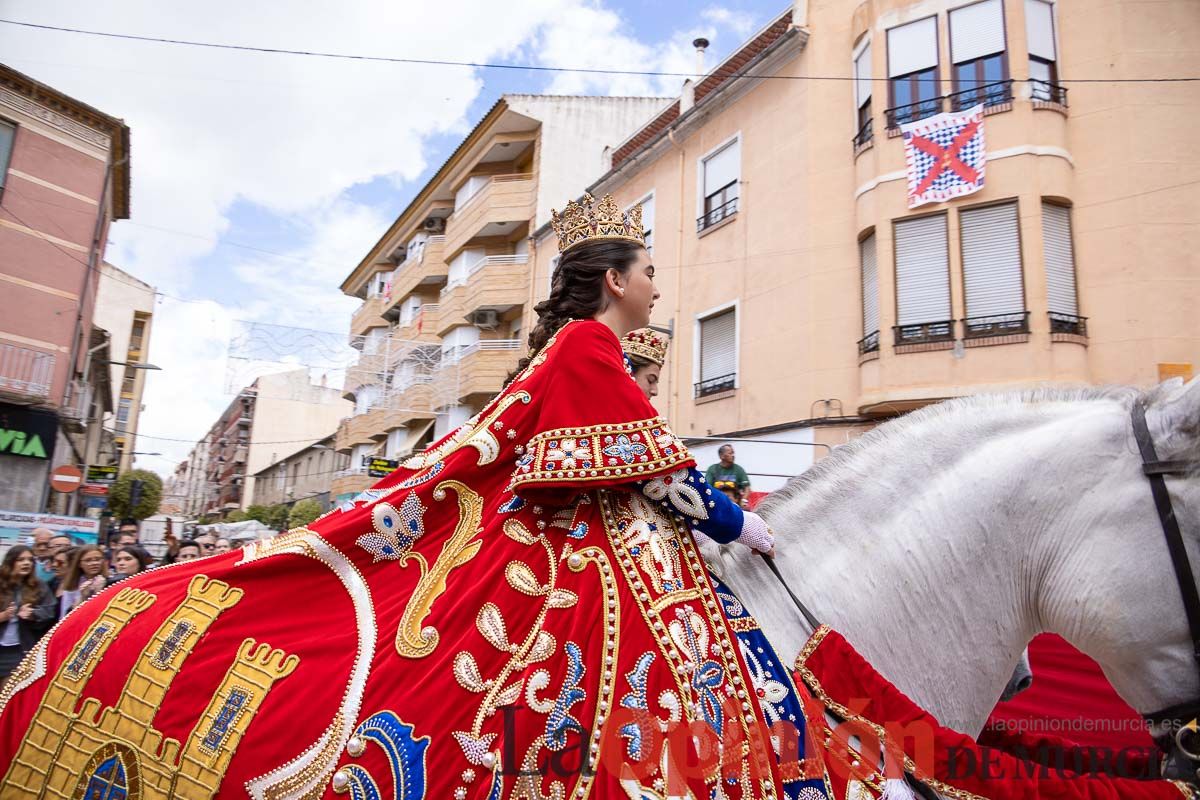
1176	413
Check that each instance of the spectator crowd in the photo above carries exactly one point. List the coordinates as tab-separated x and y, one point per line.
41	582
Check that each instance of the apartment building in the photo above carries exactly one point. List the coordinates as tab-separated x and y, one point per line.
306	474
807	301
125	308
446	291
64	178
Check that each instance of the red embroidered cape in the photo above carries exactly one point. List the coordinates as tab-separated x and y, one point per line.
501	617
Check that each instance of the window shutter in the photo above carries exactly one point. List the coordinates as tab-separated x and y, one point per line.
912	47
718	346
870	285
976	31
721	169
862	71
1060	259
1039	29
922	271
991	252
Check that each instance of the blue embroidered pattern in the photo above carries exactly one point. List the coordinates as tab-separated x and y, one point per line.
560	722
405	754
635	700
511	505
771	679
171	645
626	449
80	662
108	781
233	706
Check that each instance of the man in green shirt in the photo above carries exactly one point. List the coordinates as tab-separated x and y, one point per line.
728	476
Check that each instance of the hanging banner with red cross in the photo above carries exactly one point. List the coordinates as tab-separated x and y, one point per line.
945	156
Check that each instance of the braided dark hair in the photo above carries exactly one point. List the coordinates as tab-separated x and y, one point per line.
577	289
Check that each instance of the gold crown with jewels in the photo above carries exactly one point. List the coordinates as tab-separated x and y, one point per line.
581	222
646	343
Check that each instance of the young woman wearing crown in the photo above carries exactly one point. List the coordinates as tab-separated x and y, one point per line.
520	611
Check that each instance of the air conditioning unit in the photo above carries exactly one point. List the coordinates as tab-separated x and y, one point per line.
487	319
434	225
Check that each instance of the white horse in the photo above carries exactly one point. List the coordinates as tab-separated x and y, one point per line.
939	544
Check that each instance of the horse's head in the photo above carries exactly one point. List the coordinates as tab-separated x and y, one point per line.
1109	582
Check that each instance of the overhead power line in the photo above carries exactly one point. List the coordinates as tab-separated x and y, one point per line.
493	65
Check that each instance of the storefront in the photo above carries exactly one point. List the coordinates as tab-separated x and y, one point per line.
27	440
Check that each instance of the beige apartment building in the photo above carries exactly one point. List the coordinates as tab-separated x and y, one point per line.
446	291
807	301
125	308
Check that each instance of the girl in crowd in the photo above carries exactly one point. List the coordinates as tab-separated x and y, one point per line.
130	560
26	608
85	578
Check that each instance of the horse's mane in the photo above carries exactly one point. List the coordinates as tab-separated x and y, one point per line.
847	457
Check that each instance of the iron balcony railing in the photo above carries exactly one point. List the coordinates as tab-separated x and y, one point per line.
1071	324
721	383
863	137
726	209
869	343
1048	92
989	95
912	112
924	332
996	325
25	371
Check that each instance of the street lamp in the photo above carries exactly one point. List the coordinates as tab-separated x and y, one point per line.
133	364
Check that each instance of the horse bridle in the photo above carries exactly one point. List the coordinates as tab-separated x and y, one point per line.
1182	740
1179	742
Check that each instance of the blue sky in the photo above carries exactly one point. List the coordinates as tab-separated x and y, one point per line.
259	181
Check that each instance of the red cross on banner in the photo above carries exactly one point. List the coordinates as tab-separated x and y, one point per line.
945	156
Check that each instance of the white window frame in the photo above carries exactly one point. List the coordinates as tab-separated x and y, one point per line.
737	137
856	54
736	305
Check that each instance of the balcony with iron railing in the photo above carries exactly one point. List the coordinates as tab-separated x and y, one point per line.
1068	328
25	373
427	269
503	203
995	97
996	329
714	386
914	337
868	347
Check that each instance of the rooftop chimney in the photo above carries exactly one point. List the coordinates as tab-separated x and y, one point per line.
701	45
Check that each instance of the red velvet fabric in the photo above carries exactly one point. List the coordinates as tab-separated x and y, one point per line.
953	763
491	632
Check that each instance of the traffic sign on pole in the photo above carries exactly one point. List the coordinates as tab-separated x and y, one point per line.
66	478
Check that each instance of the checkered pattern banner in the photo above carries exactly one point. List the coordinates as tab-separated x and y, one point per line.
945	156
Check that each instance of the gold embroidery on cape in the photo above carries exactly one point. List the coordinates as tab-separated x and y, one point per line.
413	640
475	432
628	450
68	754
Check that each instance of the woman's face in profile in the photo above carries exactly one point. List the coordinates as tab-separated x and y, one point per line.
647	379
637	301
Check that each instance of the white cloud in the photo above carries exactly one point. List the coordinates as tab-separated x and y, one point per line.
287	136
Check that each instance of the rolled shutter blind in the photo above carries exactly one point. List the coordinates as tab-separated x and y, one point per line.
1039	29
912	47
870	285
1060	259
862	71
922	271
991	252
976	31
721	169
718	346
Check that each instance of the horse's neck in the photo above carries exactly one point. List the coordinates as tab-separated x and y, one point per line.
916	552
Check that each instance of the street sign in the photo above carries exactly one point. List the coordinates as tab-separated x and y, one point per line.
380	467
94	489
101	474
66	478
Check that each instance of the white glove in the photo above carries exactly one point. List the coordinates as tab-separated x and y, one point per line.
756	534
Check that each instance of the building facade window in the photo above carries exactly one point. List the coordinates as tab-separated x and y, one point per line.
979	55
862	96
1043	53
993	279
647	204
456	341
1062	297
8	135
922	282
469	189
870	296
717	356
913	72
720	173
